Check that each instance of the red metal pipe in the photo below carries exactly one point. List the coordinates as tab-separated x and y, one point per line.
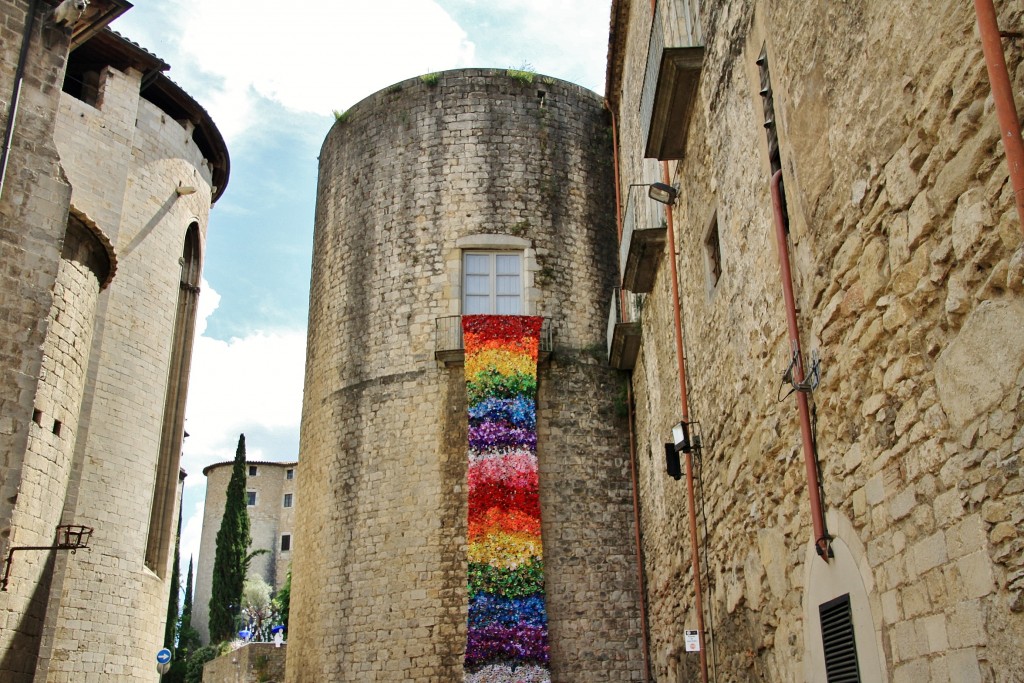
1002	94
691	508
632	436
821	539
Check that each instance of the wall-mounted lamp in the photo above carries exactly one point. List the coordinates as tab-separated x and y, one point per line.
183	190
663	193
672	465
681	436
68	537
682	443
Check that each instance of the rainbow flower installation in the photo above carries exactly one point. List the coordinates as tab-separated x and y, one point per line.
507	635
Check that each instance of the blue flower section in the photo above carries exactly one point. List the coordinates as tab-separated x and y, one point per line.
487	610
520	412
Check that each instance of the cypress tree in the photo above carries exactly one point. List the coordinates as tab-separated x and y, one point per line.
230	560
188	637
171	629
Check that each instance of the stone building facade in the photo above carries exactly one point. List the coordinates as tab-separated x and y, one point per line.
907	271
106	195
270	487
412	179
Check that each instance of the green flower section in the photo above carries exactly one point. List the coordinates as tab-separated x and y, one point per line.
526	579
492	384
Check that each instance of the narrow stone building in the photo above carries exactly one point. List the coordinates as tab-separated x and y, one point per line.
107	188
502	181
855	452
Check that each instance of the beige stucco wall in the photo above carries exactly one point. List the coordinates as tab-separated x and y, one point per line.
907	261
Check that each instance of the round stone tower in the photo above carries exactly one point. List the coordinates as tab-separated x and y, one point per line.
471	191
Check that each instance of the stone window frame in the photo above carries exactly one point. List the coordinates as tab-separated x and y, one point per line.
712	233
495	243
286	543
289	500
254	470
164	506
289	473
251	498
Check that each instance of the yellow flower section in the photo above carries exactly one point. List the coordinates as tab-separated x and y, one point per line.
504	550
505	362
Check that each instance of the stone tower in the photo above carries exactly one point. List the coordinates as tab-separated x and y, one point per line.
497	179
103	214
270	491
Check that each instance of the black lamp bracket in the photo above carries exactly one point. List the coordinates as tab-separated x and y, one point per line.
71	537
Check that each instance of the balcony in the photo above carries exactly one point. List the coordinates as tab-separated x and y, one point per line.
624	329
450	349
675	54
643	240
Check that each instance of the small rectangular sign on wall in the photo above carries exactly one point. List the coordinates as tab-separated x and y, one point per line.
692	641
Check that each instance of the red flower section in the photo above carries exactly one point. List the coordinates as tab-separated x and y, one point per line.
496	519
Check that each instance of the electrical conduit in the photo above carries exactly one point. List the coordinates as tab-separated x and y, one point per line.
821	538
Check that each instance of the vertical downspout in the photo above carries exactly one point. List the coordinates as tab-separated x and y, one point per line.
821	538
691	507
19	78
632	436
1002	94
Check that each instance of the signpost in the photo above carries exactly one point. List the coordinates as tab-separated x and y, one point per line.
163	661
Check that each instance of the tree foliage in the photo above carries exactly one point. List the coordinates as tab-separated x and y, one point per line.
283	599
231	559
171	628
188	637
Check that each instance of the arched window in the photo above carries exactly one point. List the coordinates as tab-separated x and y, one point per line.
161	517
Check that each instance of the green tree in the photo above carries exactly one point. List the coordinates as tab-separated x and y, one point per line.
283	599
171	629
188	637
230	560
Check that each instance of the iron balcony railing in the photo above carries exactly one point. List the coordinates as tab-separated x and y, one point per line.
451	350
624	328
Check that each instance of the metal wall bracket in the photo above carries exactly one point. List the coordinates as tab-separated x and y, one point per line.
71	537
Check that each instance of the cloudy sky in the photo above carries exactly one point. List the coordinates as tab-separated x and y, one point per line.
271	75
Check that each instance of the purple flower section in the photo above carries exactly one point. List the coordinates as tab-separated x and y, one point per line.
490	436
521	643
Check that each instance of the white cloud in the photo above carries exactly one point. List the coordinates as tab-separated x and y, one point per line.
310	57
191	533
252	383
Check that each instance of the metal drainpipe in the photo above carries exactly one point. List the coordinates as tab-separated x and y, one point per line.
821	538
632	438
1002	94
691	507
19	78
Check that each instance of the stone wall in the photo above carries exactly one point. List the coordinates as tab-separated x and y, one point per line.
408	178
252	663
33	219
908	274
33	222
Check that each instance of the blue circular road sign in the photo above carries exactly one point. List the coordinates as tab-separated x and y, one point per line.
163	656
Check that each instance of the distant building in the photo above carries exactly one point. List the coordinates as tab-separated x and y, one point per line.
270	492
106	194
